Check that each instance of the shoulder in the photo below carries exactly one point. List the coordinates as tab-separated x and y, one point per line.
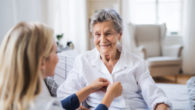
133	57
46	104
86	56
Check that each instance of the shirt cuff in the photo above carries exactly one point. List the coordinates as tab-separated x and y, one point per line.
71	102
162	100
101	107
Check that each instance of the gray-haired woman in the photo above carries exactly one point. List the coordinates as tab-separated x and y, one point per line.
114	63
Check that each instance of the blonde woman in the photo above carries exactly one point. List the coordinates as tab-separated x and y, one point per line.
27	55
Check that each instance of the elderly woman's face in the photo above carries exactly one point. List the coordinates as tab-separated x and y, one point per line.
105	37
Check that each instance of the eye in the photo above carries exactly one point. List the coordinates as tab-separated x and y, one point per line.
97	35
107	34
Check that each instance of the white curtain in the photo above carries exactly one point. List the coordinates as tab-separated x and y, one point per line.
128	41
64	16
70	18
189	38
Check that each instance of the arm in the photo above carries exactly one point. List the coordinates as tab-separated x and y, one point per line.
73	101
73	82
113	91
97	85
101	107
153	95
66	91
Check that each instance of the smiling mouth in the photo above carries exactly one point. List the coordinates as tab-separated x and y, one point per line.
105	45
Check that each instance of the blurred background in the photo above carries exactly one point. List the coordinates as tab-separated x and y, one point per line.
71	18
162	30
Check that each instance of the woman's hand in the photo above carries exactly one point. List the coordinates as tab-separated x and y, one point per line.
82	108
99	84
114	90
161	106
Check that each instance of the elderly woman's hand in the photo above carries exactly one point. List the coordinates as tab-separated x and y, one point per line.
99	84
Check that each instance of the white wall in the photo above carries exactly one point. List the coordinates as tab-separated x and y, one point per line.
7	19
14	11
189	38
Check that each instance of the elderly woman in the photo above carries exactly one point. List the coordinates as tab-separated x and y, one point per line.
112	62
28	55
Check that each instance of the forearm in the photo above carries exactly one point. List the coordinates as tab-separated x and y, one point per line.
71	102
107	100
101	107
83	93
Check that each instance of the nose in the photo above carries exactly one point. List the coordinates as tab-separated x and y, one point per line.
57	58
103	38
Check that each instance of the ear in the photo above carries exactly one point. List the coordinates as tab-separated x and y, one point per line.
120	35
43	65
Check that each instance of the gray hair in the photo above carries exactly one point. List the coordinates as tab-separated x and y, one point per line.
107	15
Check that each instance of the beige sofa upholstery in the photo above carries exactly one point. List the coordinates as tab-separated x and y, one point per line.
161	59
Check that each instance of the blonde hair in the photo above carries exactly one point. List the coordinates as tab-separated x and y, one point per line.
20	54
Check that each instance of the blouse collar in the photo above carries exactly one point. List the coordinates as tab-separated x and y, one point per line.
122	63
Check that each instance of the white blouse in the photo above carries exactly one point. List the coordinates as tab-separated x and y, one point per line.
139	89
44	101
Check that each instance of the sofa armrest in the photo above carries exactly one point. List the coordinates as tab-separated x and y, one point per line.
173	51
142	49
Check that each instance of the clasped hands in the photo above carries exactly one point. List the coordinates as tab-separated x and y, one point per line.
111	91
101	84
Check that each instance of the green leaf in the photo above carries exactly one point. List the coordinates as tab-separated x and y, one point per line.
59	36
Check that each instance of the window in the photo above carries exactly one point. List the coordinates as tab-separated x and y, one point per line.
157	12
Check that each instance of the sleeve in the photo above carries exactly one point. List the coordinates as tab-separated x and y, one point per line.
73	82
101	107
151	93
71	102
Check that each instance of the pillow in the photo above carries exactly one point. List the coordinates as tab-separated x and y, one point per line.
191	91
51	85
64	65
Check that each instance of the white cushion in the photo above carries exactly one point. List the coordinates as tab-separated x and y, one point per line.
64	65
160	61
